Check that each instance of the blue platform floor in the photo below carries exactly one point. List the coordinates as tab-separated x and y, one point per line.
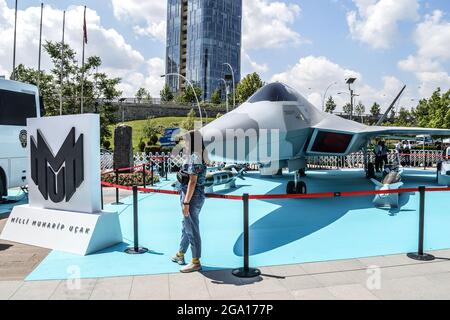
16	197
281	232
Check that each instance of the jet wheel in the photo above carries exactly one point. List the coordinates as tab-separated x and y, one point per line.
300	188
291	188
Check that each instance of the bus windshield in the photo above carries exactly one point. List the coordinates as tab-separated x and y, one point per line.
16	107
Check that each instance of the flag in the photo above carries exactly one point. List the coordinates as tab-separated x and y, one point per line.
85	33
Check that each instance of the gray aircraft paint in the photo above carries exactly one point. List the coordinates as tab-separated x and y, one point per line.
298	123
219	178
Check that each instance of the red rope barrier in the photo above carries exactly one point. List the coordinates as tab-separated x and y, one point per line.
287	196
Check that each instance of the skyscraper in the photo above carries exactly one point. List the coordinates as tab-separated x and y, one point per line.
202	36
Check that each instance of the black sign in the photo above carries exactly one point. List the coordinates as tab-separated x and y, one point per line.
54	180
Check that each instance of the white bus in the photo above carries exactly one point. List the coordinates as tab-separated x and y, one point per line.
18	101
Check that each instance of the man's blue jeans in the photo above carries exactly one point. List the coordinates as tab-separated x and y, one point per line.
191	225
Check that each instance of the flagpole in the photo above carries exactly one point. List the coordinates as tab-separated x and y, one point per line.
40	48
62	67
82	61
15	44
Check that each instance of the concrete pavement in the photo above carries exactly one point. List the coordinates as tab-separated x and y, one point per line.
386	278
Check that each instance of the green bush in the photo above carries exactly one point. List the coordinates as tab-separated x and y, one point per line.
153	149
142	146
107	144
131	179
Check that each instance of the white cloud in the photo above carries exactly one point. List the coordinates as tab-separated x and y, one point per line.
148	17
376	21
250	65
268	24
432	37
312	75
119	58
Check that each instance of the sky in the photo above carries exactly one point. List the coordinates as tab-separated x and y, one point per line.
310	45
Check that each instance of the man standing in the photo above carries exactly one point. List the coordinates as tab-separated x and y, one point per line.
407	151
378	159
384	155
447	153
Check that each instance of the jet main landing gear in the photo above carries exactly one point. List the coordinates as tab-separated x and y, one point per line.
297	187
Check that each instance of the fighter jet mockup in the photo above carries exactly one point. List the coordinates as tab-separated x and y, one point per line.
303	131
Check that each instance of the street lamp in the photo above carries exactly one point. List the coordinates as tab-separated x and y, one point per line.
325	95
234	84
351	81
193	89
226	93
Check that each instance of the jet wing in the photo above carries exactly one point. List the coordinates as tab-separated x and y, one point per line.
337	136
382	131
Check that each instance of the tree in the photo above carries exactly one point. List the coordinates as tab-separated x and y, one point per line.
166	94
216	97
152	129
143	95
347	109
375	110
189	122
404	119
360	109
99	90
331	106
188	95
434	112
248	86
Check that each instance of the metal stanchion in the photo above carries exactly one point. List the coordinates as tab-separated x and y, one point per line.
117	190
144	176
136	249
165	168
420	255
101	195
151	172
246	271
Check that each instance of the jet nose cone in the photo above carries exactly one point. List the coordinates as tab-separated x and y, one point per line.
226	135
228	124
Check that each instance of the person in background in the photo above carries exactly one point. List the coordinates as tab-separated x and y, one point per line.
398	152
407	152
384	155
191	180
447	152
377	152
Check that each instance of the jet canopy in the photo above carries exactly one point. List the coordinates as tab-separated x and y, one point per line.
274	92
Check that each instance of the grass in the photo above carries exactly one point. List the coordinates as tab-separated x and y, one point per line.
138	128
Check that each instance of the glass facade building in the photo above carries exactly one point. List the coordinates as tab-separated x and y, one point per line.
202	36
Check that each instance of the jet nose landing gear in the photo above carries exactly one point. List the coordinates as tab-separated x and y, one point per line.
297	187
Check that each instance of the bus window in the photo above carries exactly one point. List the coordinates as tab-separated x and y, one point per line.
16	107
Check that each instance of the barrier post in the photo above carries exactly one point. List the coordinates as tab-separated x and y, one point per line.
246	271
136	249
151	172
117	190
165	167
101	195
144	176
420	255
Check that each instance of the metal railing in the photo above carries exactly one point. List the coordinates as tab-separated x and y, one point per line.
418	158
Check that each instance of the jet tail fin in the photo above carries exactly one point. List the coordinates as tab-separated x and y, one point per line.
240	174
377	183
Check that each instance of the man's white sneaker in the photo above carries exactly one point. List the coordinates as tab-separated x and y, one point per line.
179	260
191	267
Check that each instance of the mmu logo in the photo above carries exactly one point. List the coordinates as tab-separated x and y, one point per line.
57	177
